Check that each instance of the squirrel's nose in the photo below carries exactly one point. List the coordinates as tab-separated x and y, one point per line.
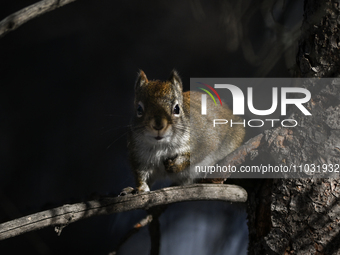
158	123
160	127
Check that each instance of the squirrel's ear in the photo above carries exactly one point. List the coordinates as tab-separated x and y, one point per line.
141	79
176	80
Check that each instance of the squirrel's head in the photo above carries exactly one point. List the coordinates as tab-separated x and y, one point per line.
158	107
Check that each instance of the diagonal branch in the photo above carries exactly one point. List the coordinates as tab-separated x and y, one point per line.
64	215
243	152
18	18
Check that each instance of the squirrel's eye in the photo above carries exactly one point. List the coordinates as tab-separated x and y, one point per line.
140	110
176	109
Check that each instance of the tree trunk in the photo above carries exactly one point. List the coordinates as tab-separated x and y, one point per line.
301	216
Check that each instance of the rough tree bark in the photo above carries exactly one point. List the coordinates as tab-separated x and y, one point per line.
301	216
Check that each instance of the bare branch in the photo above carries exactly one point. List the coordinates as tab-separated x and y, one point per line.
64	215
240	155
18	18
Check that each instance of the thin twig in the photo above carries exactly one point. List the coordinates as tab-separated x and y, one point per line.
18	18
155	229
142	223
67	214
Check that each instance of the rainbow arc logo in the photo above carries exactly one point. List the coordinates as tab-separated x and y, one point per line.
208	92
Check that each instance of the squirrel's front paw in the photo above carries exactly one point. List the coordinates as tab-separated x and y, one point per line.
127	191
142	187
170	165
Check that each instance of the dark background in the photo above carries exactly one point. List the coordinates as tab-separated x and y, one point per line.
66	93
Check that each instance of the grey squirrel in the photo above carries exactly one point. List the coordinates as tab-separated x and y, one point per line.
161	143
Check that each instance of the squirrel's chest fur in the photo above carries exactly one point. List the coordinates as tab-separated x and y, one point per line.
150	156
